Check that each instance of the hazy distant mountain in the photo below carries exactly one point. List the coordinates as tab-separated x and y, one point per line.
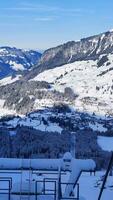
14	61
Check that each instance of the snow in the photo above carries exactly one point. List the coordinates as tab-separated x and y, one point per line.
106	143
16	66
5	111
67	163
67	156
42	103
79	165
88	188
97	127
3	50
111	30
39	125
103	35
9	80
13	122
90	191
36	164
35	120
83	77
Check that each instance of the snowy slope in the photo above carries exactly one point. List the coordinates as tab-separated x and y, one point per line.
85	49
49	120
93	84
5	111
9	80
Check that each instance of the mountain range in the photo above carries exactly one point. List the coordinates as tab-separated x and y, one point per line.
68	88
15	61
79	73
90	48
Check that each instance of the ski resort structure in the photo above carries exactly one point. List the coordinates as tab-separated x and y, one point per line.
32	182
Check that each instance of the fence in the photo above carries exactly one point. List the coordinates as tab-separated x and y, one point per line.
46	192
51	191
4	190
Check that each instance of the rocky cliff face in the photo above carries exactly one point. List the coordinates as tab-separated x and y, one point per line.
85	49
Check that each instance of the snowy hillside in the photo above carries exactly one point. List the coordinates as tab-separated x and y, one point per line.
92	83
90	48
76	73
84	84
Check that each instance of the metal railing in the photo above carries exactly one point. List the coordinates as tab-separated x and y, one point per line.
77	190
46	192
6	191
54	191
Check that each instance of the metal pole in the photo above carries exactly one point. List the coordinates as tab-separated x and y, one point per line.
59	196
9	190
36	190
78	190
55	191
44	187
106	175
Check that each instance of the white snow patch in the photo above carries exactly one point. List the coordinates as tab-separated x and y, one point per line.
39	125
106	143
5	111
111	30
9	80
97	127
16	66
42	103
13	122
3	50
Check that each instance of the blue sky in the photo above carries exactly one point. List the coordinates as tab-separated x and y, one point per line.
40	24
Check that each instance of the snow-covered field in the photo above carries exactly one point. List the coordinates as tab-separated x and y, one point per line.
89	185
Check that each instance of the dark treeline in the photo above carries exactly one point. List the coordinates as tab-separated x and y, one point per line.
30	143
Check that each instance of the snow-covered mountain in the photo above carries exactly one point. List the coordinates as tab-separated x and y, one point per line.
14	61
78	74
70	91
90	48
